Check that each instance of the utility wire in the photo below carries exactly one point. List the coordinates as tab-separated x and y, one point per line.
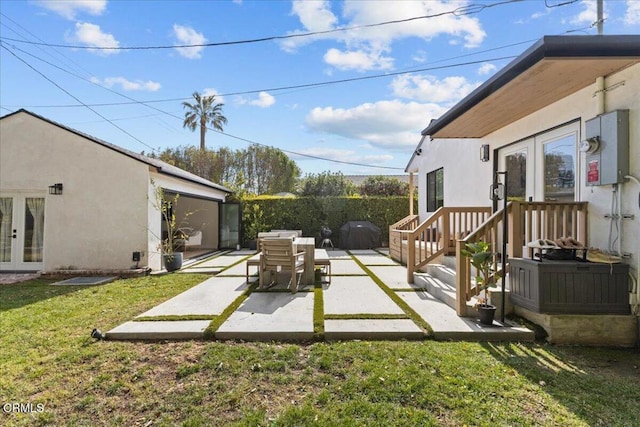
73	96
180	118
460	11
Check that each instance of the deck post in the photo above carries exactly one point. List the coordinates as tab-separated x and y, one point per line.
462	278
411	256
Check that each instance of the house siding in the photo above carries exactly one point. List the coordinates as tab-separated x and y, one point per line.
101	217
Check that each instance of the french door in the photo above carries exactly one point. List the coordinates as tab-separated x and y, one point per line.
543	167
21	232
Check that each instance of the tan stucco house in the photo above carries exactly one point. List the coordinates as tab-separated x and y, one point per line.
72	201
563	120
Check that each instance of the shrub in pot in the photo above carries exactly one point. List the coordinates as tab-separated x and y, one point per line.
482	259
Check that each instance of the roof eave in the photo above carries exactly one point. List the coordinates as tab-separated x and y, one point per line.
547	47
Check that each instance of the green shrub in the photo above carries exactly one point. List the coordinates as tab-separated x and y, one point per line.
310	213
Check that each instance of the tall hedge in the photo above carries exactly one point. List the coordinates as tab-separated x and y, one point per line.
309	214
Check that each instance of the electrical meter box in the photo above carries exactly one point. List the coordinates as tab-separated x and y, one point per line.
607	148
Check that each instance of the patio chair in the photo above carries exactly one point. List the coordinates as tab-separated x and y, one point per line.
278	255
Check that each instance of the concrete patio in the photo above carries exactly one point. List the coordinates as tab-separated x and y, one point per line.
368	297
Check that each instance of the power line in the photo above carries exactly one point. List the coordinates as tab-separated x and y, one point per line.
179	118
460	11
71	95
291	87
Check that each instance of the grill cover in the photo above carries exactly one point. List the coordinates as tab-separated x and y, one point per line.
359	235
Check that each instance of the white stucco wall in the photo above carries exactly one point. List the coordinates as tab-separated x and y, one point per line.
462	168
100	218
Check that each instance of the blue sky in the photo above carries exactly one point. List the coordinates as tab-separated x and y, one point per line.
400	75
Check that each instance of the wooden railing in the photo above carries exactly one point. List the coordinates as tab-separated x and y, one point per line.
397	236
437	235
527	221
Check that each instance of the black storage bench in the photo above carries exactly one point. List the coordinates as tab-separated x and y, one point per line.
569	287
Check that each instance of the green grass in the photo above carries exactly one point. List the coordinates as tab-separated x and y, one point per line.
47	357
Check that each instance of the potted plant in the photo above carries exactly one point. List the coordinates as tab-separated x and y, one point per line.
483	259
173	238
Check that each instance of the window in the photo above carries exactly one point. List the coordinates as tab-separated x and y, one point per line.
435	190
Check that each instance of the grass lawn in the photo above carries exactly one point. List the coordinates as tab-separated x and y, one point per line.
48	360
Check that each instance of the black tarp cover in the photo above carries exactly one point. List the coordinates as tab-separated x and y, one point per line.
359	235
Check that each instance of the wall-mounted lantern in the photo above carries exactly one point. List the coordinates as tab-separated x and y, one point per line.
484	152
55	189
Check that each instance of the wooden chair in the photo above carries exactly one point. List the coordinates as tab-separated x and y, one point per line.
278	255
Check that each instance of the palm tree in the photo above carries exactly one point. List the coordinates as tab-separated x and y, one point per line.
202	112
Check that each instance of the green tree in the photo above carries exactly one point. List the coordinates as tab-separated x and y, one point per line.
326	184
255	170
268	170
202	112
380	185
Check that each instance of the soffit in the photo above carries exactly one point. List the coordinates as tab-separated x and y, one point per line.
547	81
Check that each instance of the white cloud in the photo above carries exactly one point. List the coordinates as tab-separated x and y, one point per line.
91	35
388	124
342	155
358	60
632	16
128	85
264	100
588	15
364	46
486	69
314	15
70	8
429	89
188	36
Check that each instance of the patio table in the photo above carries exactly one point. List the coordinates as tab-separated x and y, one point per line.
308	245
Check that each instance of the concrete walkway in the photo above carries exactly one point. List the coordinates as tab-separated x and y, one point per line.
368	297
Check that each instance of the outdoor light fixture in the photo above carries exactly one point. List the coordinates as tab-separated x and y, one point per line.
55	189
484	152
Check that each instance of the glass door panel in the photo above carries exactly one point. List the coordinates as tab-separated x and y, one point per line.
517	161
6	229
33	229
229	225
559	169
516	167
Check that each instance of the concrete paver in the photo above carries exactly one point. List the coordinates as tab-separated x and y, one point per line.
447	325
357	295
179	329
377	259
210	297
271	316
394	276
346	266
380	329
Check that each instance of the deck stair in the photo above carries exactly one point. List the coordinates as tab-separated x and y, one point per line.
439	279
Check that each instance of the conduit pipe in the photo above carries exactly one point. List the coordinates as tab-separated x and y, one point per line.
636	286
600	95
